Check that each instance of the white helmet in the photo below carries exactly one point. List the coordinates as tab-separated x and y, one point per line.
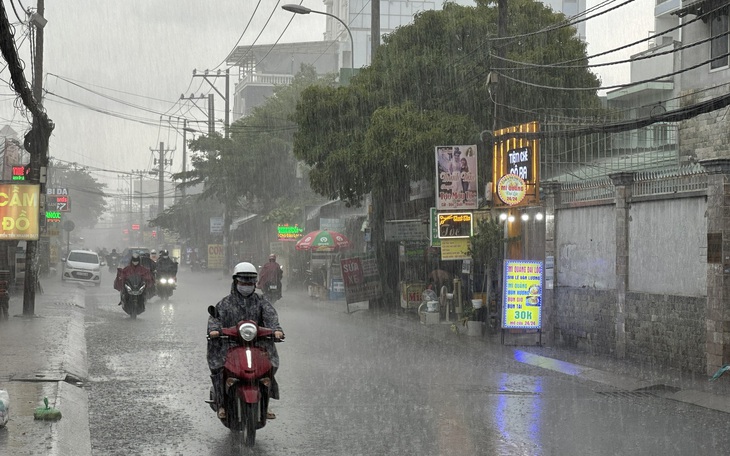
246	270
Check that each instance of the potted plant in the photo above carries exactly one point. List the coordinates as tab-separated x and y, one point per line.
487	248
468	322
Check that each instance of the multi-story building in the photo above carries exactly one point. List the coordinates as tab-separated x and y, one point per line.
261	67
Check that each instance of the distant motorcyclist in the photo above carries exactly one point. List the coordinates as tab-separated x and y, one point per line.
166	265
135	267
153	255
271	272
113	259
241	304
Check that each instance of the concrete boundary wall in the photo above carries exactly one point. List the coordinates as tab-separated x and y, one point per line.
668	246
631	269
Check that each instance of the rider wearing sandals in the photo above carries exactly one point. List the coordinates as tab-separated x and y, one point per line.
242	304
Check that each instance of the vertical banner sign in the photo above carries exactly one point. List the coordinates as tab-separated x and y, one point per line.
522	304
215	256
216	225
456	177
361	279
516	167
434	225
19	207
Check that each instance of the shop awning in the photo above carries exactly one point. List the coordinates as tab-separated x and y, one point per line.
242	221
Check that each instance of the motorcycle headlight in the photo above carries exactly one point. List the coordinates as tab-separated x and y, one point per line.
248	331
163	280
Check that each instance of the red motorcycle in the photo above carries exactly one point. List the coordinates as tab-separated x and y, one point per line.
247	379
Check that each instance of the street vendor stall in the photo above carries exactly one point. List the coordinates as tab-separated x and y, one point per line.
324	247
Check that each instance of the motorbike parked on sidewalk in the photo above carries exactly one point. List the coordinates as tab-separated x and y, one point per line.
133	295
248	378
166	283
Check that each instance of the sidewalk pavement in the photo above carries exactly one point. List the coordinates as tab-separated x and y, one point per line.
622	375
45	356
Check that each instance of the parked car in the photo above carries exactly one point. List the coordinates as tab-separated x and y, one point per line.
82	266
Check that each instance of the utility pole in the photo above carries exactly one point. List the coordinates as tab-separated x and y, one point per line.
226	128
185	155
211	114
161	163
140	173
38	161
374	28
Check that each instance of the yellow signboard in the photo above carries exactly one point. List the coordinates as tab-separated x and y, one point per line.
522	305
455	248
455	225
520	157
19	211
216	257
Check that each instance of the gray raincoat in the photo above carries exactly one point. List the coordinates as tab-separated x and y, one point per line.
234	308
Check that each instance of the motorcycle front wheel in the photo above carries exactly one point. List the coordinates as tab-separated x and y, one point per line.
249	421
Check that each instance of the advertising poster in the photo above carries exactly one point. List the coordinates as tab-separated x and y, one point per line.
522	297
360	279
456	177
455	225
455	249
516	167
19	207
216	256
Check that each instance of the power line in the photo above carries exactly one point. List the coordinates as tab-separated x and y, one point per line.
631	84
259	35
240	37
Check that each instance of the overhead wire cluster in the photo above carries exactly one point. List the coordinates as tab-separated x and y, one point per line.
170	119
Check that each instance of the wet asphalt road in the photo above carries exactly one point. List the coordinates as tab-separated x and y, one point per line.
356	384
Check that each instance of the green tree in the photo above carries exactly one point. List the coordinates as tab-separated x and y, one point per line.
486	249
255	167
426	87
189	218
86	194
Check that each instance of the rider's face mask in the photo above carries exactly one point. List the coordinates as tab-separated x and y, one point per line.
135	263
245	287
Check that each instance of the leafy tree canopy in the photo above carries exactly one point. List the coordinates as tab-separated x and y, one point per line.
86	194
426	87
256	164
189	218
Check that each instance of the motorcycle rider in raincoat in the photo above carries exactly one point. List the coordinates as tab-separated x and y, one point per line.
241	304
271	272
134	268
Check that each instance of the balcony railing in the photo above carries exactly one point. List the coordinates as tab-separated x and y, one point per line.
266	79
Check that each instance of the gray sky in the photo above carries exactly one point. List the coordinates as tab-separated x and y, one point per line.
144	51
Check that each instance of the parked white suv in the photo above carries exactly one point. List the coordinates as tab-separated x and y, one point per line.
82	266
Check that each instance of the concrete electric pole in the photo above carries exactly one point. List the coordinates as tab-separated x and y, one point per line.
38	142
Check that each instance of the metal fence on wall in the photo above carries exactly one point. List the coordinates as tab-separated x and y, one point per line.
589	157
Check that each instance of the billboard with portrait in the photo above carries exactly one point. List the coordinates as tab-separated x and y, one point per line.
456	177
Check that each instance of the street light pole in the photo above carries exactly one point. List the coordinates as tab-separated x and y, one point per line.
298	9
